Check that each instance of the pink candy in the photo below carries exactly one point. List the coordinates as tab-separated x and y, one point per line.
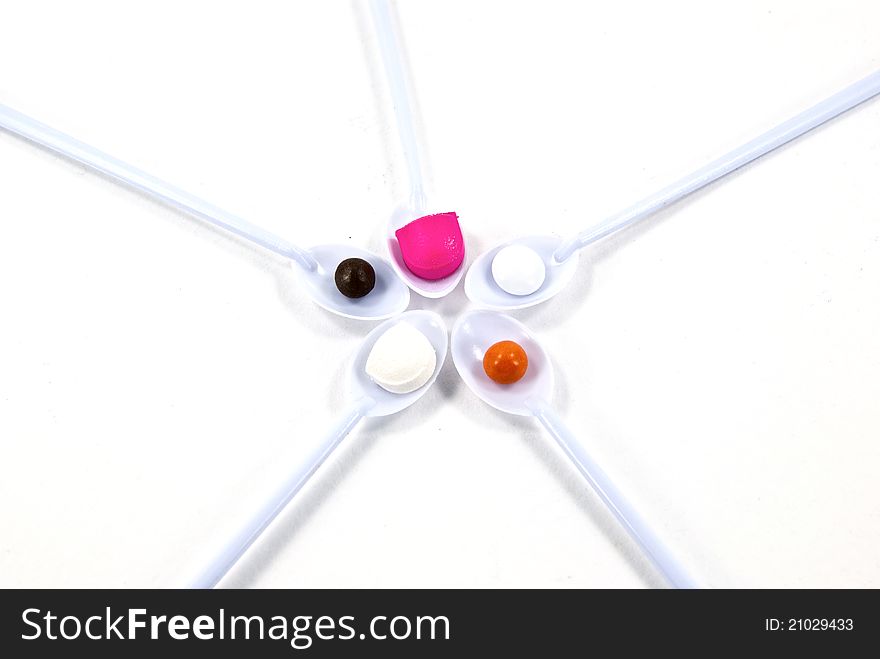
432	246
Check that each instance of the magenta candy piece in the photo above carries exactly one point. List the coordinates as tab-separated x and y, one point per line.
432	246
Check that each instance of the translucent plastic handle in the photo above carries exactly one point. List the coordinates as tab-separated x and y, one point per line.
772	139
638	529
33	130
254	527
395	72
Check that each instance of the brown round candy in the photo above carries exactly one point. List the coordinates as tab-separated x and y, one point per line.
355	277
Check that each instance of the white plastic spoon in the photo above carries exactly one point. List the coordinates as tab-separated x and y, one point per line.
392	59
368	400
472	335
315	267
560	256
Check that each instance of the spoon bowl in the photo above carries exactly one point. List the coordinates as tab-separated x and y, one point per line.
530	396
473	334
385	402
388	298
561	258
366	399
316	267
482	289
425	287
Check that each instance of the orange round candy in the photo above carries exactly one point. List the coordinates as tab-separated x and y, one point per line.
505	362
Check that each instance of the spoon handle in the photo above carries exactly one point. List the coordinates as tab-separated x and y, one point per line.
772	139
638	529
395	71
254	527
69	147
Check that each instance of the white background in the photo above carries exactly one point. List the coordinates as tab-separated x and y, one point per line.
722	360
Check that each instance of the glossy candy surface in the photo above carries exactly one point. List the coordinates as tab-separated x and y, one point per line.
505	362
518	270
432	246
401	360
355	278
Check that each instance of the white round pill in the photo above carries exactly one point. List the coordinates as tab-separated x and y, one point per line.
518	270
401	360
